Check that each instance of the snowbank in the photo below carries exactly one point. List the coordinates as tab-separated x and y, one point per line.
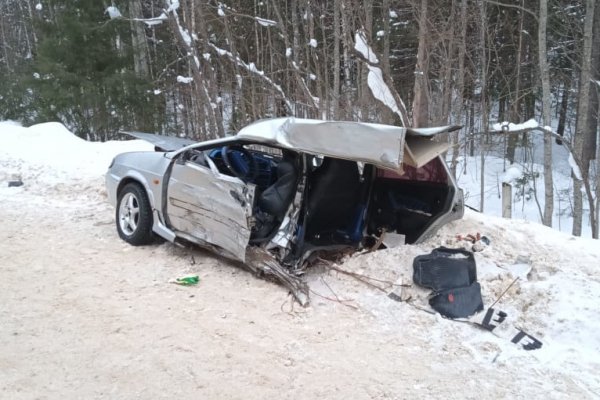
555	299
50	154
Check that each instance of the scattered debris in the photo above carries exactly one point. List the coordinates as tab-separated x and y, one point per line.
15	183
188	280
452	275
472	242
495	321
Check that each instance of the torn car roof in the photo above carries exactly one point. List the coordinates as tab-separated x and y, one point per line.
382	145
378	144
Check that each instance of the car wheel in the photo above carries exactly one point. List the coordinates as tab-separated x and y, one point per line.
134	215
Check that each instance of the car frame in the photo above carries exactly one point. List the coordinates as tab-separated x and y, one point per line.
285	190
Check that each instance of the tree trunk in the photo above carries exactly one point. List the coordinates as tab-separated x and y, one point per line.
484	107
546	102
583	110
420	108
594	117
335	102
138	40
462	50
515	110
564	107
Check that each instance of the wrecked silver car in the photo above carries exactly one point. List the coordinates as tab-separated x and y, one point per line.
283	190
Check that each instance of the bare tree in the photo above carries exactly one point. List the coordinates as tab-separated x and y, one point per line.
583	109
546	119
420	107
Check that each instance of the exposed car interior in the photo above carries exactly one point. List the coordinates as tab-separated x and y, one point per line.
408	203
343	200
274	172
336	203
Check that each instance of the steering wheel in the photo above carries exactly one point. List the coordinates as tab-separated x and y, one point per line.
247	169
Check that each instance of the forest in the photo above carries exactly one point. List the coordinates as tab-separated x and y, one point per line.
204	69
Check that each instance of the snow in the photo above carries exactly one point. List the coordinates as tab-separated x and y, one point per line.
36	75
157	91
575	167
512	127
380	33
153	21
252	68
39	6
312	77
113	12
288	52
524	205
185	36
532	124
393	14
313	43
206	56
221	12
511	175
49	154
184	79
265	22
173	6
379	88
555	299
360	45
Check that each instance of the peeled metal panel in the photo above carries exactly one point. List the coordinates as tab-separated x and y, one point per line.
377	144
211	208
419	151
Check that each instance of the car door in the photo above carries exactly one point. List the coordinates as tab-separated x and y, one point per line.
207	207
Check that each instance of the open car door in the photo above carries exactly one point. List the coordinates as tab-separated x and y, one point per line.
209	208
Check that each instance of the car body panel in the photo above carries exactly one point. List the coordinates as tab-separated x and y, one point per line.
143	167
210	207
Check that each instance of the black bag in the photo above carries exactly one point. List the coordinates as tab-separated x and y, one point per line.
452	275
460	302
445	268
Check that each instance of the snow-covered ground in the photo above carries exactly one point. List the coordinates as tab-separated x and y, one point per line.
528	192
83	314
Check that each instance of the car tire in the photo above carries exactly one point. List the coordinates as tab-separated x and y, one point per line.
134	215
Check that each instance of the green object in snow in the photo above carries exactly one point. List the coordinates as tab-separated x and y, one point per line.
187	280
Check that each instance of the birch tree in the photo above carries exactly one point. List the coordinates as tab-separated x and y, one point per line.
546	118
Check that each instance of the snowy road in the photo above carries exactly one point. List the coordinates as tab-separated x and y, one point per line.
84	315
